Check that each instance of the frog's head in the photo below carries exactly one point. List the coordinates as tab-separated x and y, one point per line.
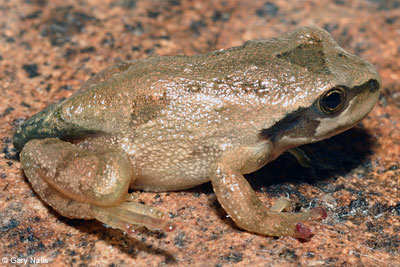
338	91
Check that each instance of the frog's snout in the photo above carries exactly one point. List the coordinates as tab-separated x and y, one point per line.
373	85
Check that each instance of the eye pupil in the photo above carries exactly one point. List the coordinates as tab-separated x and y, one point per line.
332	100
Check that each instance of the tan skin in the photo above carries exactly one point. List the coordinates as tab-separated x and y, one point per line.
172	123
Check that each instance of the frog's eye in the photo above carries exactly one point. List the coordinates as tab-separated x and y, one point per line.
332	100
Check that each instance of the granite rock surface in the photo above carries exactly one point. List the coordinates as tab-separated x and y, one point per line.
49	48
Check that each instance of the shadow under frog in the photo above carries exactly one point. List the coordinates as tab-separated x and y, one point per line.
128	245
172	123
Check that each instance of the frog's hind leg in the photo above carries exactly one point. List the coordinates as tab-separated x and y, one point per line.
240	201
87	184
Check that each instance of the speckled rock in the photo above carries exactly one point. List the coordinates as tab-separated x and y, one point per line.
49	48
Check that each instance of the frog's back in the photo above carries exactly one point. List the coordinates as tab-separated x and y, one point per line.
130	94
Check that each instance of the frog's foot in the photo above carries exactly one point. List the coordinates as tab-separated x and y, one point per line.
127	214
281	204
314	214
87	184
241	203
301	157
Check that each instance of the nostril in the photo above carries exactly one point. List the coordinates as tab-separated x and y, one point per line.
373	85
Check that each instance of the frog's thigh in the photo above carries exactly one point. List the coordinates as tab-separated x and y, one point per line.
101	178
241	203
85	184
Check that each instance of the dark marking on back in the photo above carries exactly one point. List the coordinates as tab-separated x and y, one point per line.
310	56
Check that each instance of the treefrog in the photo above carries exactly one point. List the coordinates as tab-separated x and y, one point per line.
175	122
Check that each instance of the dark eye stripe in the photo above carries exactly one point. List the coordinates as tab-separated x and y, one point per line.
286	124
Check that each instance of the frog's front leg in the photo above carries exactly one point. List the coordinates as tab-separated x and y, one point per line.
240	201
87	184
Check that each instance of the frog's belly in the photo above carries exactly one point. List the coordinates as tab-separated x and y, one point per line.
172	168
176	177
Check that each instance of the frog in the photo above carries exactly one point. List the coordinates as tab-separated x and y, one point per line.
170	123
